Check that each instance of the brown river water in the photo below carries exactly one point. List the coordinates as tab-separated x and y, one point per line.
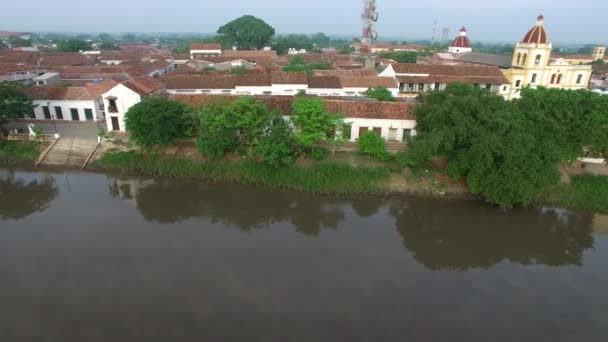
94	257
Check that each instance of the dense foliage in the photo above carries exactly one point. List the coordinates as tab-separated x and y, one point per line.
246	32
276	146
380	94
156	121
243	126
314	124
17	152
15	41
372	144
73	45
107	45
14	103
509	152
297	63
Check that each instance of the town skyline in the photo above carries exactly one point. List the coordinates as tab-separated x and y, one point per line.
487	22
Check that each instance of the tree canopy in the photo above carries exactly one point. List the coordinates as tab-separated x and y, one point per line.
297	63
380	94
14	103
246	32
73	45
107	45
314	124
15	41
509	152
156	121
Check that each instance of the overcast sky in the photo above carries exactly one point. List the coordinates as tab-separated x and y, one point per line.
580	21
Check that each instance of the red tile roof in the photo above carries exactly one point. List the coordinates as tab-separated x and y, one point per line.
89	92
368	82
435	73
144	85
253	80
65	59
462	41
284	77
205	46
351	109
200	82
324	82
15	67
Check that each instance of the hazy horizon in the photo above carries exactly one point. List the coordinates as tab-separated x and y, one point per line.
486	21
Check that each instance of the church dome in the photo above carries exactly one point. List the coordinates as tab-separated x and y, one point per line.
537	34
462	41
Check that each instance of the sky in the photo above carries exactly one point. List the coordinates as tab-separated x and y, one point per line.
581	21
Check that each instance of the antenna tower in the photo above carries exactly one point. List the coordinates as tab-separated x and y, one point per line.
370	17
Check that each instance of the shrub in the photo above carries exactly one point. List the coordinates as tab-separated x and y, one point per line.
373	144
318	153
156	121
276	148
380	94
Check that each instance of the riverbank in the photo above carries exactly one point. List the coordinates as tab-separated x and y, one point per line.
584	192
15	153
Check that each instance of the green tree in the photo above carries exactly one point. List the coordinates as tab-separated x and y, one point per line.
380	94
298	64
276	146
128	38
320	39
372	144
73	45
156	121
15	41
246	32
105	37
487	141
313	123
401	56
239	70
14	103
108	46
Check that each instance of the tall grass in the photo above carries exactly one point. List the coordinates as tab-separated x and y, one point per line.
325	178
17	152
585	192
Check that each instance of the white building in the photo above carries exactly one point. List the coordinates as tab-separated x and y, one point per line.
205	49
47	78
69	103
21	73
288	83
121	97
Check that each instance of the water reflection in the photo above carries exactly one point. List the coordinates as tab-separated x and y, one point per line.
20	197
171	201
458	236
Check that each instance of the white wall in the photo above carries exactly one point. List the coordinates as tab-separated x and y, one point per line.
325	91
246	90
385	124
125	99
65	108
288	89
201	91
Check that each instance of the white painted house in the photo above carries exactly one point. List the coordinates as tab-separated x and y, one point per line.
69	103
288	83
120	98
205	49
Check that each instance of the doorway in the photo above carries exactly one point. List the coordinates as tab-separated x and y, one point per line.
115	124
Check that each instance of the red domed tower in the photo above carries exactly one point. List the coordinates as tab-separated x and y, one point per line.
461	43
537	34
534	51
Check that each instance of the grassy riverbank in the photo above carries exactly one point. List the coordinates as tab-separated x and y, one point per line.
18	152
585	192
322	178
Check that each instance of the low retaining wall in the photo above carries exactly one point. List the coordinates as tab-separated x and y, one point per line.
27	137
592	160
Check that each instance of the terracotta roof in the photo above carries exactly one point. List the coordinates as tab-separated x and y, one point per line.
91	91
14	67
434	73
205	46
129	55
324	82
342	73
200	82
144	85
284	77
253	80
66	58
351	109
537	34
19	57
462	41
246	54
368	82
145	68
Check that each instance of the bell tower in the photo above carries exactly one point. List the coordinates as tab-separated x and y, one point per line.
599	53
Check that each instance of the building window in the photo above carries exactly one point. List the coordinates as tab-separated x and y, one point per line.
533	78
517	83
553	78
58	113
46	111
519	58
559	79
421	87
504	88
112	107
88	114
524	60
579	79
74	113
537	60
437	86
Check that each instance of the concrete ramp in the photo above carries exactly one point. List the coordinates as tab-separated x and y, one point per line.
70	152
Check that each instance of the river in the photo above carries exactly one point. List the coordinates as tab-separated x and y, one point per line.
94	257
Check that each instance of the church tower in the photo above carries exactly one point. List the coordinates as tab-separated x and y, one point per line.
533	53
462	43
599	53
